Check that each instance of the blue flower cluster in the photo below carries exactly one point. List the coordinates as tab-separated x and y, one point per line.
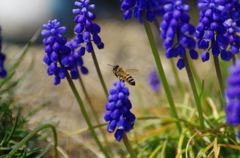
232	33
154	80
60	57
3	72
76	59
85	29
232	94
138	8
118	110
217	28
175	26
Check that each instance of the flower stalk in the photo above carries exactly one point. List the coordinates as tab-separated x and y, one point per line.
161	72
95	115
219	77
128	146
99	72
176	75
85	115
194	90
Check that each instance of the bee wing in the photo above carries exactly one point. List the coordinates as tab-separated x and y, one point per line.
132	70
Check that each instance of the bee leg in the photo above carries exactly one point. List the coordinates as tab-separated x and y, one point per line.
121	79
115	74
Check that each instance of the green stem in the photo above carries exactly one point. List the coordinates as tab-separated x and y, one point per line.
195	75
220	79
85	115
194	90
176	75
99	72
128	146
31	134
94	112
161	72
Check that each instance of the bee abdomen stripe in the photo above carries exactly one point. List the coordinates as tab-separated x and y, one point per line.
131	79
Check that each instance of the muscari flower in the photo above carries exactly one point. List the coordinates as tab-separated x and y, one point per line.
232	94
233	30
175	26
217	28
76	59
59	57
118	114
151	9
3	72
85	29
154	80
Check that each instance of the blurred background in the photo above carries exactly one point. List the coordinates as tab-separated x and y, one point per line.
20	19
125	42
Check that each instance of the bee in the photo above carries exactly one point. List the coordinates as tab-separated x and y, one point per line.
123	75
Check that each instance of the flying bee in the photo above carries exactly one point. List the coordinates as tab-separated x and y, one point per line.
123	74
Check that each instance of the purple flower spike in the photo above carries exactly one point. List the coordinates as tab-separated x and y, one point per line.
218	26
55	49
118	111
176	31
232	35
85	30
61	56
232	94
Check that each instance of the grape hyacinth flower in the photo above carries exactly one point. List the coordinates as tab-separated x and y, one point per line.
154	80
211	31
3	72
232	94
232	25
58	56
76	59
85	29
151	9
118	110
233	29
175	24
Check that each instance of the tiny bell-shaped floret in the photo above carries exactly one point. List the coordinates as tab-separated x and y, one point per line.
205	56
